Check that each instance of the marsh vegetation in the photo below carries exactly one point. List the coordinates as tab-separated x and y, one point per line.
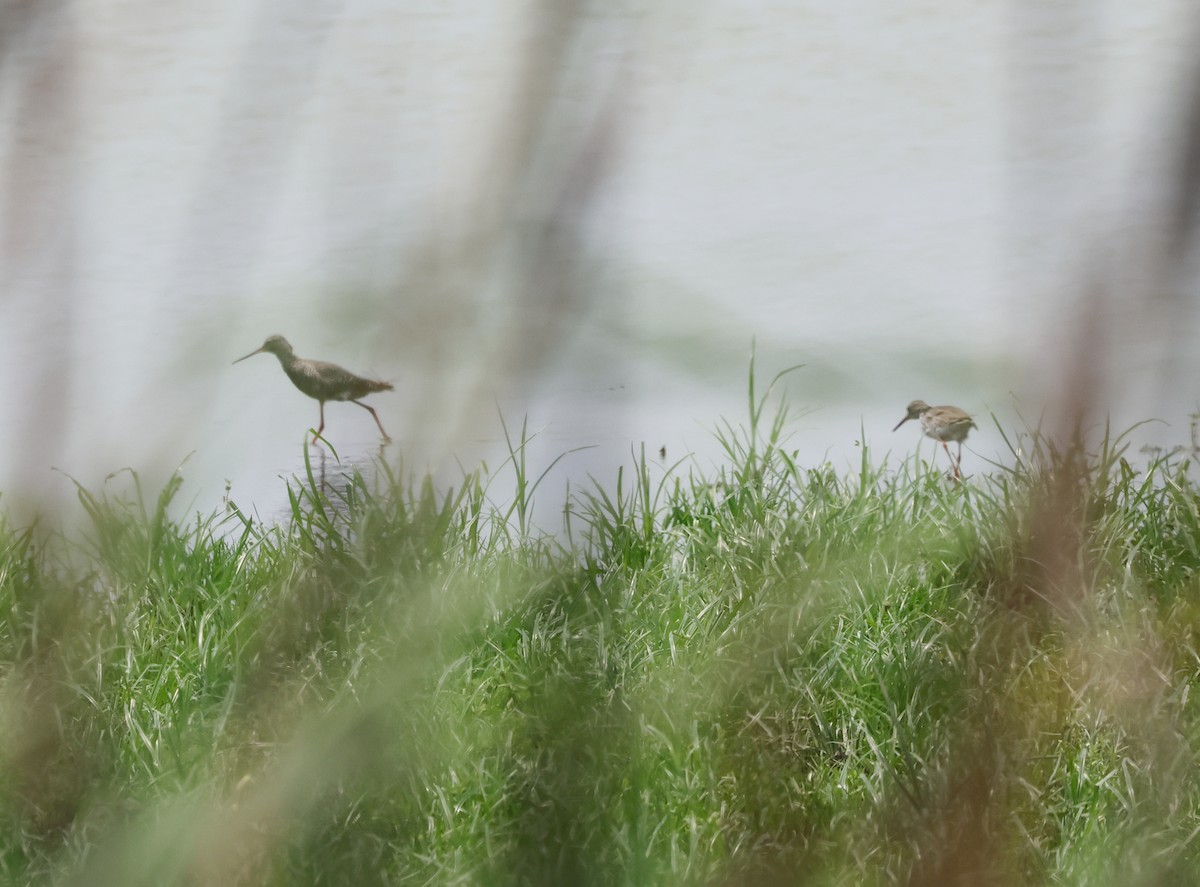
765	673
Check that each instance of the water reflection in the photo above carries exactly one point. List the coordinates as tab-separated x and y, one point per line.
327	481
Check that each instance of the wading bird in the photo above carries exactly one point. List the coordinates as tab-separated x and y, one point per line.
943	424
322	381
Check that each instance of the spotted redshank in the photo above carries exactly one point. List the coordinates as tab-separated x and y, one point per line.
943	424
322	381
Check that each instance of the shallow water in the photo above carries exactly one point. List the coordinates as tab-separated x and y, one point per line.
899	197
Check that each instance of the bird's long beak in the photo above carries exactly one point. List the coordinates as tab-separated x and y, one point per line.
251	354
898	424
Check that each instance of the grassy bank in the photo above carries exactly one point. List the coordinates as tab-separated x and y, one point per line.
767	674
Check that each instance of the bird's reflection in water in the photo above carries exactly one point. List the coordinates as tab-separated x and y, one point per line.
322	458
334	477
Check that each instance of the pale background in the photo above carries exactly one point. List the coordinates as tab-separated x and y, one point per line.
580	214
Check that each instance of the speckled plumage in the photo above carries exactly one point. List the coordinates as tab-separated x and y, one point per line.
321	380
944	423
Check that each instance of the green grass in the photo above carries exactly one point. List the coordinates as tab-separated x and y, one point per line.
768	673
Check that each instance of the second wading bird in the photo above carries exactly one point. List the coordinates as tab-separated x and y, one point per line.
943	424
322	381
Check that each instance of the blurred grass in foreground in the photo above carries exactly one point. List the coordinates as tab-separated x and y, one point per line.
771	674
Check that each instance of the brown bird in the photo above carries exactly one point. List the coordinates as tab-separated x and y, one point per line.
943	424
322	381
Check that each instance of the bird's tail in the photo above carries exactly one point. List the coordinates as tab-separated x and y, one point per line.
376	385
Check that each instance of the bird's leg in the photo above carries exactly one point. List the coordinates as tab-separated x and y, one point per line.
373	416
322	425
960	458
950	456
